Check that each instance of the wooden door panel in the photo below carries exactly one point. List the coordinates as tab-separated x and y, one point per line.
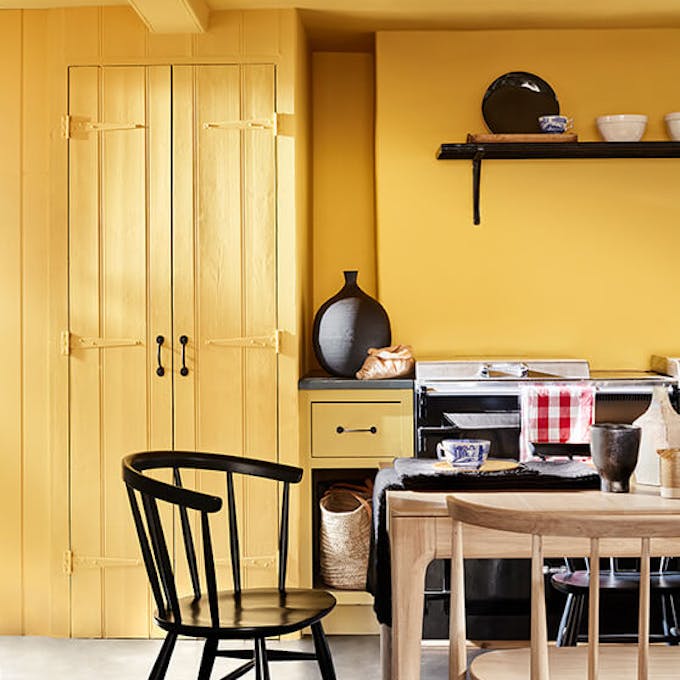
260	318
159	182
124	375
227	403
219	267
84	309
117	400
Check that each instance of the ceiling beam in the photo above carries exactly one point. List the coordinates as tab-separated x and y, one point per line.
173	16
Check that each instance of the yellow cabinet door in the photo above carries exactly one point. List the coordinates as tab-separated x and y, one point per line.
172	220
225	295
119	302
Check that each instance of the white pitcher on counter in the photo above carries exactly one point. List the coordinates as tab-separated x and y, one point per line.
660	425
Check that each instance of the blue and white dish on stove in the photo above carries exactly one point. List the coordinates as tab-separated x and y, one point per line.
469	453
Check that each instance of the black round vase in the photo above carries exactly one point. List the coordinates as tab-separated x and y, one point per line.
346	326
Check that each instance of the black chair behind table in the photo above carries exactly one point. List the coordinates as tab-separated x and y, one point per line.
208	613
619	578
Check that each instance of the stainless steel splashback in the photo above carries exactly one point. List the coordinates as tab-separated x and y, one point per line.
467	368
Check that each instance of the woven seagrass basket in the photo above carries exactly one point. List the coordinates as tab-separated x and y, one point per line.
345	537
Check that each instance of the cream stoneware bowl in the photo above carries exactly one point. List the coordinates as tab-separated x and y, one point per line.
622	127
673	125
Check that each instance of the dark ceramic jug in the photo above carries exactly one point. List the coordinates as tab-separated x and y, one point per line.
346	326
614	448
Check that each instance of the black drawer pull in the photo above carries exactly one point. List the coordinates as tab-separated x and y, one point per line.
373	429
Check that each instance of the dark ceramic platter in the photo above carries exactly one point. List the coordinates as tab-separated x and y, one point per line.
514	101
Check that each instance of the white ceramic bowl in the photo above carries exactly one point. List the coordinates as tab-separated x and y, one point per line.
673	125
623	127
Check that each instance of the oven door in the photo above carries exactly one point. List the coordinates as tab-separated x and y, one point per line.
494	417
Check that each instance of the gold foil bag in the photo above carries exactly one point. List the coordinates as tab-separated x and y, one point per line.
387	362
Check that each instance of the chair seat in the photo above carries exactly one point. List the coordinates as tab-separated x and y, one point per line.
579	581
261	612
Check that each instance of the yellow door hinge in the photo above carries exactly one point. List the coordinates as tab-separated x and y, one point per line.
272	341
265	562
65	343
67	562
77	126
71	561
70	341
252	124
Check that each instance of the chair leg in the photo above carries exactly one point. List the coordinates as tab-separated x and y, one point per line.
261	663
567	616
668	622
208	658
675	629
160	668
571	638
323	652
579	611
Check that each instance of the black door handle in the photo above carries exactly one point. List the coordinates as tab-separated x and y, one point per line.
183	340
160	371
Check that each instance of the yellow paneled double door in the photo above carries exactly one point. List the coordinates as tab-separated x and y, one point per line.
173	337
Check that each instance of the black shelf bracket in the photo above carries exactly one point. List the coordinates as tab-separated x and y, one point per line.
476	181
543	150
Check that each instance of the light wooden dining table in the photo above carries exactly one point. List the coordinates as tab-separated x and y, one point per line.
420	531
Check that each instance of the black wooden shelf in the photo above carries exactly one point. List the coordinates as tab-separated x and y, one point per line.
539	150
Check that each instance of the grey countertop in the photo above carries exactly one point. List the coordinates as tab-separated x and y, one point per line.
326	382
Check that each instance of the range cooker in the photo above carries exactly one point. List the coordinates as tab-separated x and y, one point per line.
480	398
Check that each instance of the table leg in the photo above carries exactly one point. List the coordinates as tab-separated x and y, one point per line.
386	652
412	542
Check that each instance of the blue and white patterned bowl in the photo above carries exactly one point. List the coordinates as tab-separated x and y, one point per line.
464	452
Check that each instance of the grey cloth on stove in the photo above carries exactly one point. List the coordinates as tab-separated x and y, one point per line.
422	474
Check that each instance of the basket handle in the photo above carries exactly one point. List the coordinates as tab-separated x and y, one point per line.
366	488
339	489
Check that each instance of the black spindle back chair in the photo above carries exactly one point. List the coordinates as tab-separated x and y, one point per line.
208	612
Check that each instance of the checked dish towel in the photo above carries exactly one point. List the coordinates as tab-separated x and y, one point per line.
555	414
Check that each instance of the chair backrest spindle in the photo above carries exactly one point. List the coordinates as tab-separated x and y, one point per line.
643	623
283	537
593	611
160	550
189	548
233	534
211	580
149	563
539	629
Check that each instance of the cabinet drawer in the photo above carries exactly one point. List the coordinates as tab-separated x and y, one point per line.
357	429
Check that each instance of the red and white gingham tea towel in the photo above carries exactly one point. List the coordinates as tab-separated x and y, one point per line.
555	413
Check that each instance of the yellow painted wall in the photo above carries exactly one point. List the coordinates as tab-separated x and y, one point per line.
11	431
574	258
36	47
343	171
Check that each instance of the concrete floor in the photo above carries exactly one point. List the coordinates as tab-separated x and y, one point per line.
30	658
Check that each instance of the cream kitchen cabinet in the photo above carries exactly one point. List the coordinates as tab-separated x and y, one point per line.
348	428
172	340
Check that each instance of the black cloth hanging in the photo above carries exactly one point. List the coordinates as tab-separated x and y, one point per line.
423	474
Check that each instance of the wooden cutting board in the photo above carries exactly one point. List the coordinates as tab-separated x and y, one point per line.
486	138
